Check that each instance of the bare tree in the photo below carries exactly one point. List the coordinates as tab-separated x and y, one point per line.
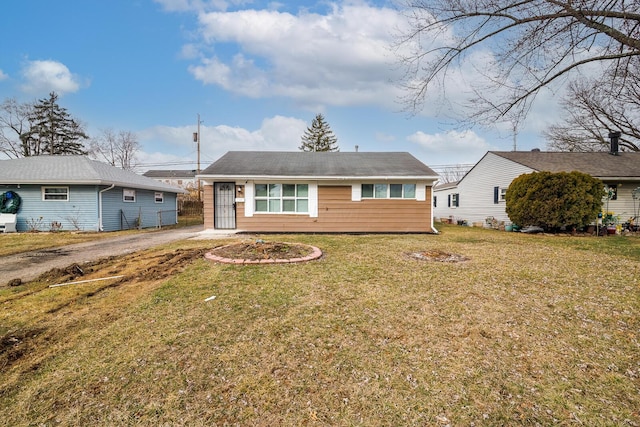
453	173
14	127
116	148
593	109
532	44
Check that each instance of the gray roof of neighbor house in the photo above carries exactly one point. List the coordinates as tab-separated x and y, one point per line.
446	185
318	165
70	170
172	173
597	164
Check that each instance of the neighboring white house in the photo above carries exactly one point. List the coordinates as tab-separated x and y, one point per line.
481	192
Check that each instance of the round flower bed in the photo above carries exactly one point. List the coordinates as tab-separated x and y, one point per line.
261	252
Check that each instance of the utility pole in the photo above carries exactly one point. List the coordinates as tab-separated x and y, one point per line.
198	170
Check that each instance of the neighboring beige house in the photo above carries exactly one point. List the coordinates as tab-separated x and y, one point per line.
318	192
481	192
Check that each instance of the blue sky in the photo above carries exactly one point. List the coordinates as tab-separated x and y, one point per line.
256	72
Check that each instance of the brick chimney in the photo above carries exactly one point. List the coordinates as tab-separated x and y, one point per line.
615	136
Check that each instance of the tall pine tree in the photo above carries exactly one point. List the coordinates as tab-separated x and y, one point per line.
52	130
319	137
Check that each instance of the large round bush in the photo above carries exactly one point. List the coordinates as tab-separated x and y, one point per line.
554	200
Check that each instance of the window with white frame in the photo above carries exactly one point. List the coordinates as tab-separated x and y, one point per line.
499	194
281	198
453	200
388	191
55	194
128	195
159	197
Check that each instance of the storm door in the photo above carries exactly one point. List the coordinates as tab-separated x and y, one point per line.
224	205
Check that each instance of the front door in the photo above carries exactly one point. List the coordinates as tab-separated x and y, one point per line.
224	203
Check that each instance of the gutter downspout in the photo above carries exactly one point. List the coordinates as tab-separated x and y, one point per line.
100	228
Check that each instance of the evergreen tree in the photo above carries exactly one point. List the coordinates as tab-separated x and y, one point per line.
319	137
554	200
52	130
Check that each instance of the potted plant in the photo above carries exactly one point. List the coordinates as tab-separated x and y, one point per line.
609	220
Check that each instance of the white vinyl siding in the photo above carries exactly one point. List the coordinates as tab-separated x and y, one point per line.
477	190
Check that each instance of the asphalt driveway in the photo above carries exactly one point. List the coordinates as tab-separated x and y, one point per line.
29	265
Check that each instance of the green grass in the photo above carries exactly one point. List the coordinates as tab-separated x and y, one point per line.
532	330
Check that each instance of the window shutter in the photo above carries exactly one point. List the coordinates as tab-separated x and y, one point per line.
448	200
496	195
458	200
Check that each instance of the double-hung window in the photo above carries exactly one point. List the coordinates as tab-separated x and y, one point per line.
388	191
282	198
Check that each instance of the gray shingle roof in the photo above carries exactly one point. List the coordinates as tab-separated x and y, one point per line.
77	170
596	164
172	173
318	165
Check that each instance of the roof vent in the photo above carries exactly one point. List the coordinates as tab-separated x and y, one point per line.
535	150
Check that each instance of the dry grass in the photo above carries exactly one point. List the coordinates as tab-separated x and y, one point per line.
13	243
531	330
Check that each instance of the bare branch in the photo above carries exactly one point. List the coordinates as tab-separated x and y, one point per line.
532	43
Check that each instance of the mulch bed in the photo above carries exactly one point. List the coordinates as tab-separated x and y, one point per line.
264	252
438	256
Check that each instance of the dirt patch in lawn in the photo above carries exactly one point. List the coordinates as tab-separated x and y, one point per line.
438	256
138	272
264	252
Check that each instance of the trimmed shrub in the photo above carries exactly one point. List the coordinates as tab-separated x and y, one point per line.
554	200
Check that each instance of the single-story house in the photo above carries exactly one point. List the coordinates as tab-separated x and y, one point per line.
77	193
257	191
480	194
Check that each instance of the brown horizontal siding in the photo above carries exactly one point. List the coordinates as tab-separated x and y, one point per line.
207	197
337	213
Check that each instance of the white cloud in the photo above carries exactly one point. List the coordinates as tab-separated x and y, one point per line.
3	76
275	134
341	58
46	76
465	146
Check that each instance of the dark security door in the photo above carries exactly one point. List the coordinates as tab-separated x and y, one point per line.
224	205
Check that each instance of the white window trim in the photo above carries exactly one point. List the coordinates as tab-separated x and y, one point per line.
281	198
356	192
388	196
155	197
124	195
44	188
250	200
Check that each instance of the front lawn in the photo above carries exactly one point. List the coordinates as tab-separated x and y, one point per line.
530	330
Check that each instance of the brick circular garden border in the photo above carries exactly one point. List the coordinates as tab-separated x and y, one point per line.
317	253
